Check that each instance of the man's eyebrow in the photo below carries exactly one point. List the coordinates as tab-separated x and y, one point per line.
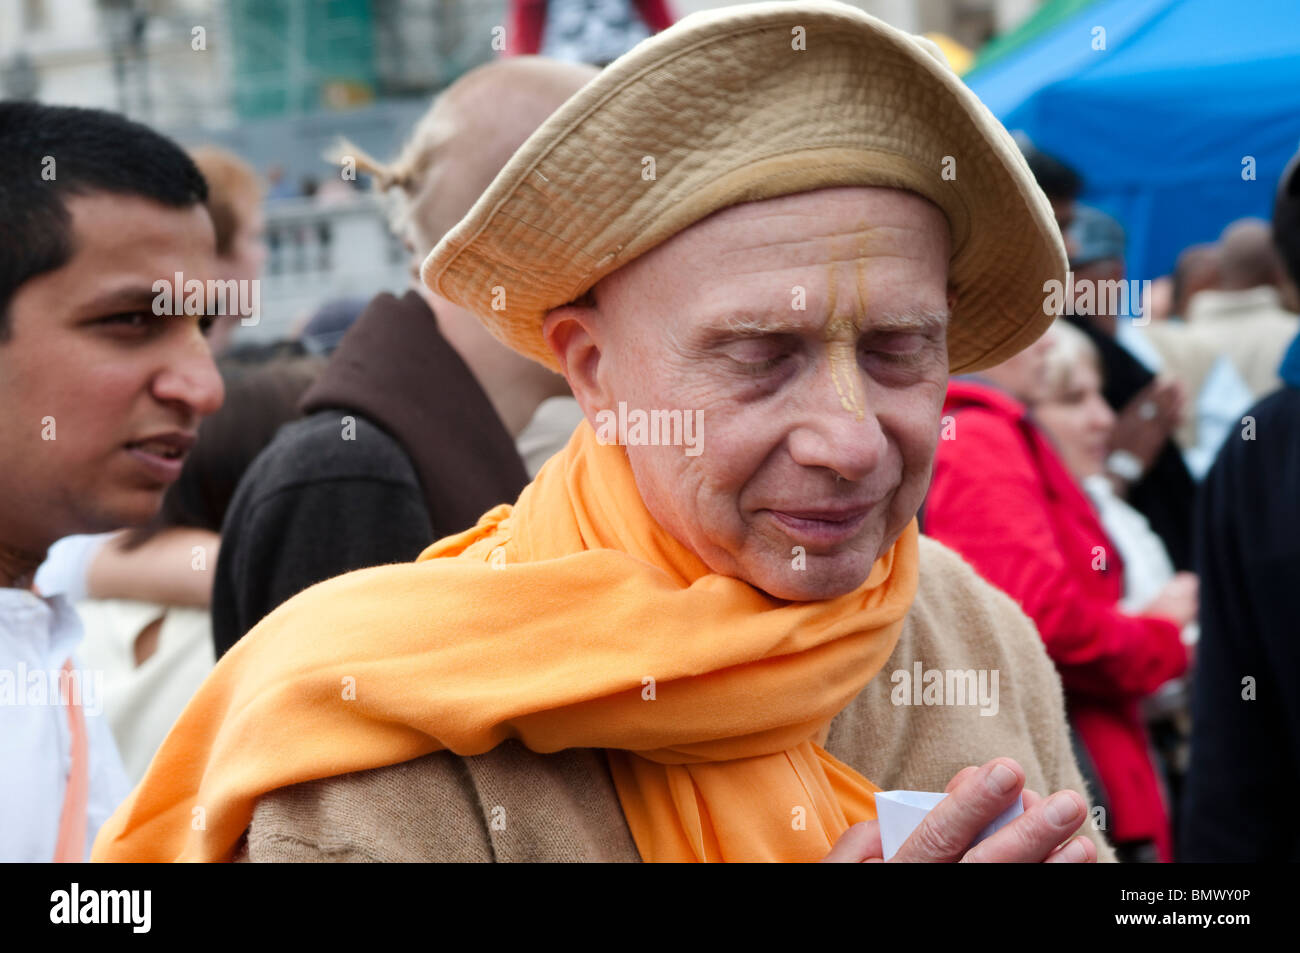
755	325
121	299
911	320
718	331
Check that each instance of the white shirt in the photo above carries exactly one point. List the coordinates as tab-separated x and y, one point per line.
1223	399
1147	568
142	702
37	635
67	566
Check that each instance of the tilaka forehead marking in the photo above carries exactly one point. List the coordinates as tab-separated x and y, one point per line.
841	335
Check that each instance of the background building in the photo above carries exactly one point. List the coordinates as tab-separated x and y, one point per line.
280	81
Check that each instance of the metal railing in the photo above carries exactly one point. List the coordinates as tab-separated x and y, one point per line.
320	251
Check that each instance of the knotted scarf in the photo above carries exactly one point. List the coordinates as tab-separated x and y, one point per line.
570	620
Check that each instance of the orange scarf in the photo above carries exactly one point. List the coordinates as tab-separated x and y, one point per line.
546	622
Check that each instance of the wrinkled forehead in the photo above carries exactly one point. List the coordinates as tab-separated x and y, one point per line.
806	257
847	216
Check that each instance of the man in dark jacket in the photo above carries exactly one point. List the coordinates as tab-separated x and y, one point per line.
401	446
412	427
1245	764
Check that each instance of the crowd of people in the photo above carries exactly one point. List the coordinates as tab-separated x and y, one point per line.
1071	481
381	591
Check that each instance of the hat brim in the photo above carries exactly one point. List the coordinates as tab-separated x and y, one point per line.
725	108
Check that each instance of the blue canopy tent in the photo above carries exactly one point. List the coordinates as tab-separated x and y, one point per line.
1168	122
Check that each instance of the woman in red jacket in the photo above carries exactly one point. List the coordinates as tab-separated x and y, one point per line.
1003	499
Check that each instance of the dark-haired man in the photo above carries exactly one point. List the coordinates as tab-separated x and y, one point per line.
102	398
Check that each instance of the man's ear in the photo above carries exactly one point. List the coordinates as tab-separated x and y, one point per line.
570	332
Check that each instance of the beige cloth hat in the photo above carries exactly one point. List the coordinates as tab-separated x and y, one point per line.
746	103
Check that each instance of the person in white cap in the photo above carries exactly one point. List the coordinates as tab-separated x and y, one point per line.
756	246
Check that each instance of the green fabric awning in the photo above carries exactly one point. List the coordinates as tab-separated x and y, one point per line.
1043	19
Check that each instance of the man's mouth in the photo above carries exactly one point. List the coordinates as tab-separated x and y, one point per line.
822	527
162	455
158	449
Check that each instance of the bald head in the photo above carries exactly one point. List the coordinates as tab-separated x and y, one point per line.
1247	258
471	132
456	150
1196	270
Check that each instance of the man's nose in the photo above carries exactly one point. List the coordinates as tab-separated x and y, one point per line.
190	378
837	427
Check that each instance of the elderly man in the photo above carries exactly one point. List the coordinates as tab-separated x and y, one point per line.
699	651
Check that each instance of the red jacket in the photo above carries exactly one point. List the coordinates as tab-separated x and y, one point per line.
528	18
1003	499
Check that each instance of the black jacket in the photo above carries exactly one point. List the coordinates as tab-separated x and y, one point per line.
402	447
1245	761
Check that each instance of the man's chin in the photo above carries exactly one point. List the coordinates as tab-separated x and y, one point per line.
125	510
809	578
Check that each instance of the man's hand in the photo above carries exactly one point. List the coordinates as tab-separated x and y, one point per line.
976	796
1147	420
1177	600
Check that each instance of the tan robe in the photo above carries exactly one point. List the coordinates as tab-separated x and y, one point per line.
512	804
1251	327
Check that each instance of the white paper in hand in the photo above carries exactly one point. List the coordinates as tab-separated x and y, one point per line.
899	813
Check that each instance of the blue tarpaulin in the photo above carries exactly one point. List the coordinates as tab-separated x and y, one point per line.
1169	121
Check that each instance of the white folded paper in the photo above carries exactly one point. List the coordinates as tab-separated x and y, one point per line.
899	813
